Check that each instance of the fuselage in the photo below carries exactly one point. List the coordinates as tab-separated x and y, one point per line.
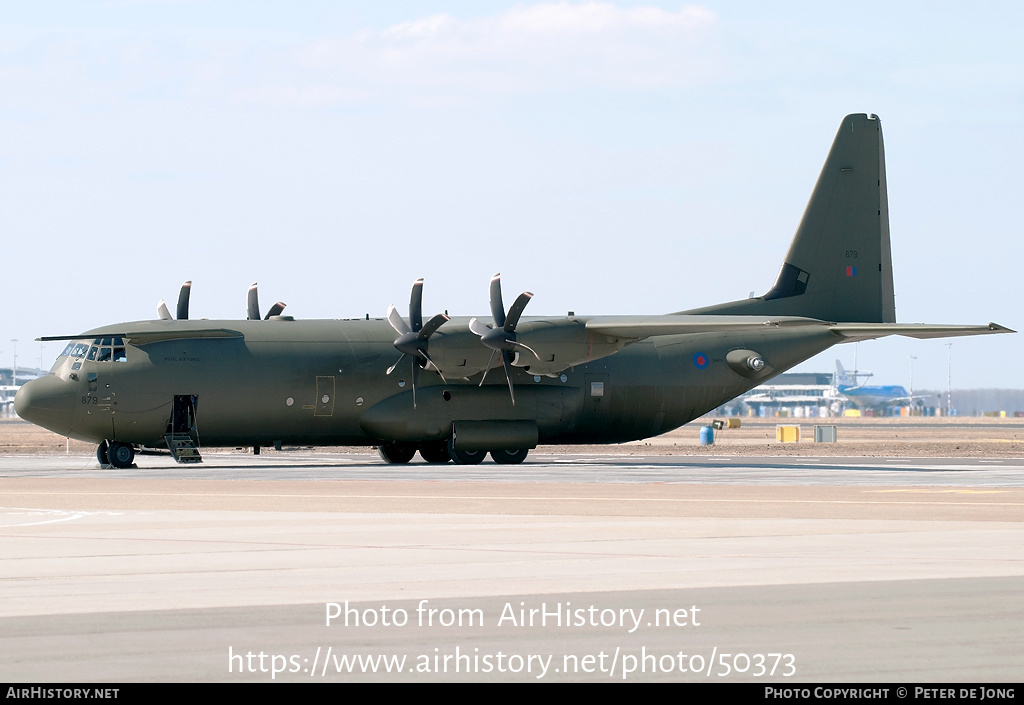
875	396
288	382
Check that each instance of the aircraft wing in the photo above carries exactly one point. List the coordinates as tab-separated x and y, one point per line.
639	327
868	331
145	337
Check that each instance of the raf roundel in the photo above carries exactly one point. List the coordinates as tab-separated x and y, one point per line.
700	360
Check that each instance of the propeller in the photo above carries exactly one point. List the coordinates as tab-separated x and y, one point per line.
165	315
413	336
501	337
252	305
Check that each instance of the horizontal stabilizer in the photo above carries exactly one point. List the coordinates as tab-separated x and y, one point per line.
639	327
869	331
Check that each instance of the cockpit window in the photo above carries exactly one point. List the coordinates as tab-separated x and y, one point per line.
105	350
75	350
101	350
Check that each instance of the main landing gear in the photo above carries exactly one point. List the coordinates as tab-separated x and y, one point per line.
509	457
395	453
116	454
442	452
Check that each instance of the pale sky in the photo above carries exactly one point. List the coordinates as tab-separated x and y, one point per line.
611	157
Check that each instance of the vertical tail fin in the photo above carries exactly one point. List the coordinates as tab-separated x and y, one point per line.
839	265
842	379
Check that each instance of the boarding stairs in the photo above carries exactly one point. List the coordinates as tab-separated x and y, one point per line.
183	448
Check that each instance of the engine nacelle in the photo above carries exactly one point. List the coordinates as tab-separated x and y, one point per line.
560	343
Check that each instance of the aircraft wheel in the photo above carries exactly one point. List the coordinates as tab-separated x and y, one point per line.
120	455
465	457
436	453
395	453
101	453
509	457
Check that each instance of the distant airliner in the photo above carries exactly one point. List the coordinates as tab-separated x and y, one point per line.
886	395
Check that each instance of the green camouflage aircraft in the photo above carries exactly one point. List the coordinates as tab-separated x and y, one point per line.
277	381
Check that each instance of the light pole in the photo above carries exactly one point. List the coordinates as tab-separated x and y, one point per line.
949	379
912	358
14	370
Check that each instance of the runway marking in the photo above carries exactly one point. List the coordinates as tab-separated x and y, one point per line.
924	490
62	515
526	498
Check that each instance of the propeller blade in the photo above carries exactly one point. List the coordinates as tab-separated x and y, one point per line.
524	345
432	325
183	295
162	312
392	368
506	361
478	328
487	369
427	358
252	304
516	311
276	309
396	321
497	307
416	306
415	378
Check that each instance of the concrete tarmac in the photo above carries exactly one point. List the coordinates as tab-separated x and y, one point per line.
565	568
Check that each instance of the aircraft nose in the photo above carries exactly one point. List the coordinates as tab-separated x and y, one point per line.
47	402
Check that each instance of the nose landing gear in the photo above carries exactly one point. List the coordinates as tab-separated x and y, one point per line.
115	454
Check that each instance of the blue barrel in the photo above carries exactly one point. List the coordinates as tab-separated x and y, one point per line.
707	436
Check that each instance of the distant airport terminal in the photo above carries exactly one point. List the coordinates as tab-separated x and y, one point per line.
846	393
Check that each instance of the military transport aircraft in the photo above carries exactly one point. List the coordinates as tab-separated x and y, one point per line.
465	387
